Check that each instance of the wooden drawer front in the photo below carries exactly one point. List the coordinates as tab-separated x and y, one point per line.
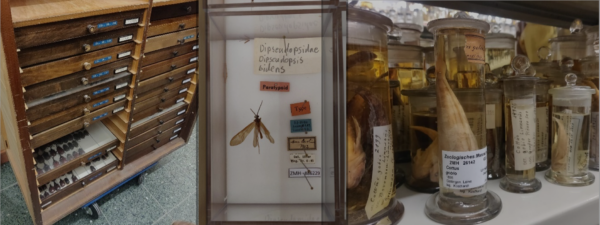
170	11
172	39
79	184
171	25
31	56
64	30
76	124
159	100
165	91
174	76
166	128
140	114
155	141
45	107
169	53
75	80
167	65
47	71
149	123
78	111
77	162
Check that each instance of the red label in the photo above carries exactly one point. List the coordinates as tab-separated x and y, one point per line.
275	86
301	108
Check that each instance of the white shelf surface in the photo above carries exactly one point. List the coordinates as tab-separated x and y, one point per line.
552	205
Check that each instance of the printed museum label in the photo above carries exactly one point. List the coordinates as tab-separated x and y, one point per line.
464	170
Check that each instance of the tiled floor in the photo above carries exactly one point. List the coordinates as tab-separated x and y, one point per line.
167	194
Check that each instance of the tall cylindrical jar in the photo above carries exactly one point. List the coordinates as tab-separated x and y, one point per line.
542	132
589	69
370	187
462	154
494	131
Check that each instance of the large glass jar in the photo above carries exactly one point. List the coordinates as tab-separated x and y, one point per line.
410	34
499	50
370	157
542	116
494	131
589	69
571	46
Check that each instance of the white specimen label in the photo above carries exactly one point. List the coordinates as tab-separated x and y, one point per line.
177	130
382	181
194	59
299	158
572	124
522	113
118	109
174	136
125	38
131	21
121	85
119	97
121	55
120	70
180	100
186	80
283	56
541	133
464	170
195	47
594	137
111	148
490	116
191	71
301	172
179	121
183	90
181	112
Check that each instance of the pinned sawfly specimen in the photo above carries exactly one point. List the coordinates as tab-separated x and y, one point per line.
259	129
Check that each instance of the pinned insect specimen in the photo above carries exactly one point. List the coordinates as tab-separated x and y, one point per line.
259	129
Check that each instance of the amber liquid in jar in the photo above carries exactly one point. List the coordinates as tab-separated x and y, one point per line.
495	145
421	153
498	57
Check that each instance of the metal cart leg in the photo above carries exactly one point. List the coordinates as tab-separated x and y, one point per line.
141	178
94	211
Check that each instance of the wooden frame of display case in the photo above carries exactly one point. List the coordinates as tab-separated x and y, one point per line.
15	133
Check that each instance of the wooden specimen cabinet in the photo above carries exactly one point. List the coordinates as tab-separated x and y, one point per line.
93	92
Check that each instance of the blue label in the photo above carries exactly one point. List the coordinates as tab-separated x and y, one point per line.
188	37
101	90
303	125
102	59
100	116
94	156
96	43
94	177
107	24
100	103
100	74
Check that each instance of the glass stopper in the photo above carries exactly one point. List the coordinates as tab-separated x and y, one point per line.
571	79
576	26
520	64
462	14
544	53
507	71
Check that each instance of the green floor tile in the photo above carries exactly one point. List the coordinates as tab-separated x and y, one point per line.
81	217
7	177
13	208
186	211
130	204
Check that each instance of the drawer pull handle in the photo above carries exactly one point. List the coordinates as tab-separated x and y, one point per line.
153	147
173	67
83	183
87	98
86	124
166	90
162	99
188	9
160	109
175	53
86	111
87	65
86	47
170	79
157	141
91	28
84	81
161	121
181	26
181	41
159	131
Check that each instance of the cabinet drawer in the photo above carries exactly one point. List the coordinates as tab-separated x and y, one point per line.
165	91
166	129
158	101
64	30
76	124
157	108
77	111
171	39
146	124
171	25
47	71
170	11
155	141
167	65
49	52
169	53
75	80
44	107
174	76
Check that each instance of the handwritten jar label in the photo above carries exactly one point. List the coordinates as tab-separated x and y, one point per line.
522	114
475	48
541	133
287	55
275	86
298	158
302	143
382	182
300	108
464	170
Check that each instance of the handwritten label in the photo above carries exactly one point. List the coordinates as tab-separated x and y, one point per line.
304	125
102	59
191	71
119	97
275	86
382	182
302	143
183	90
125	38
100	74
181	112
287	55
194	59
195	47
186	80
490	116
464	170
96	43
132	21
594	137
180	100
301	172
101	91
107	24
99	103
122	69
572	124
118	109
475	48
179	121
123	54
542	133
301	108
121	85
173	137
522	112
298	158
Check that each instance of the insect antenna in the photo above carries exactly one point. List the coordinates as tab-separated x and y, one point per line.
253	112
259	107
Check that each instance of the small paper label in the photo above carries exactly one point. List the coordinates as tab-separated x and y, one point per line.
522	112
99	103
100	116
107	41
183	90
301	172
304	125
301	108
177	130
181	112
125	38
382	181
100	91
490	116
464	170
119	97
186	81
122	69
132	21
542	132
102	59
106	72
299	158
195	47
123	54
302	143
107	24
118	109
191	71
121	85
180	100
475	48
174	136
194	59
111	148
594	137
275	86
179	121
287	55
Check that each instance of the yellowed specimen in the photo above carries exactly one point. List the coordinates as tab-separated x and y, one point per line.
425	162
356	155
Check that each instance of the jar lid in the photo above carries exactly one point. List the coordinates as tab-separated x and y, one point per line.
409	26
571	88
373	18
460	20
398	53
491	36
520	64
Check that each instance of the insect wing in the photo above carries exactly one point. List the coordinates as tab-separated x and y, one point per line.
241	136
266	132
255	143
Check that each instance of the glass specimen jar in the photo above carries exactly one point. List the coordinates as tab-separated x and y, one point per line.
462	154
571	106
520	108
370	187
571	46
494	131
410	34
499	50
542	132
426	39
589	69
